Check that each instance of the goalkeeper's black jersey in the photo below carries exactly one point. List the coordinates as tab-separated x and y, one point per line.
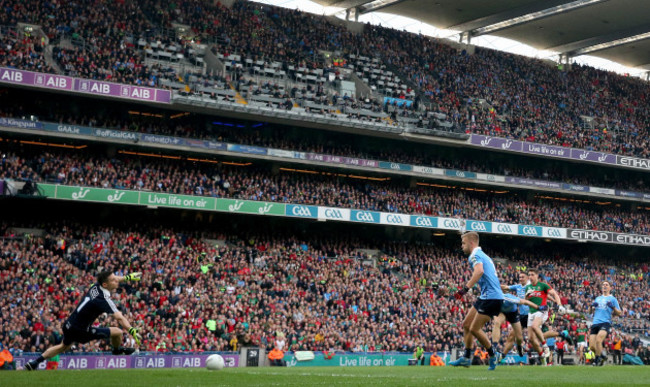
96	301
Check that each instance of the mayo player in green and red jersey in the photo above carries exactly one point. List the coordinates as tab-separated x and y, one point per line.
581	341
538	292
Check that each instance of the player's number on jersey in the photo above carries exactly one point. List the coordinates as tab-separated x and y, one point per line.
86	299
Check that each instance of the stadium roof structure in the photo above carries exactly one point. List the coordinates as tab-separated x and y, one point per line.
617	30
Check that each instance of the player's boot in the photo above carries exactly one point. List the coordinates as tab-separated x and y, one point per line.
494	361
542	359
499	357
546	355
31	365
123	351
461	362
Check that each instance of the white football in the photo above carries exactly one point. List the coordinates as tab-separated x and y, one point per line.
214	362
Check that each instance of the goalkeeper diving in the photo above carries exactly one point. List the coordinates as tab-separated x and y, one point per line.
78	327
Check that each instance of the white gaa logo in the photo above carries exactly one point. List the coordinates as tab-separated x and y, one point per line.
364	217
529	231
478	226
300	211
424	222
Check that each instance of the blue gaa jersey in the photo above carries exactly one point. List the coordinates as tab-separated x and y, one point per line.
521	293
489	282
603	313
510	303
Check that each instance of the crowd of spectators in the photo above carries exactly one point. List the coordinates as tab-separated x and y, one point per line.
25	53
545	106
188	177
203	292
507	95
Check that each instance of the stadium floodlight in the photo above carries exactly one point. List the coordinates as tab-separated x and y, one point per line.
534	16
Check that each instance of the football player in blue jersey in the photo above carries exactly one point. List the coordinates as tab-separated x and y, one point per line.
487	305
520	291
511	312
603	307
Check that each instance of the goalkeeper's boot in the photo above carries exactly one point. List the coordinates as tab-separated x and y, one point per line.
31	365
123	351
494	361
461	362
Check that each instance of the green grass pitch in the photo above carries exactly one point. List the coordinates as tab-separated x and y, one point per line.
338	376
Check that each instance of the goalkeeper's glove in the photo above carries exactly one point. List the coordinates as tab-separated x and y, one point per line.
561	309
136	336
460	293
543	308
595	305
137	276
611	305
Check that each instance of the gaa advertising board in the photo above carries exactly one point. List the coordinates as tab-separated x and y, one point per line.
252	207
102	361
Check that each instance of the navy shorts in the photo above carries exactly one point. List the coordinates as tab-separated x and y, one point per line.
82	336
523	319
512	317
607	327
488	307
